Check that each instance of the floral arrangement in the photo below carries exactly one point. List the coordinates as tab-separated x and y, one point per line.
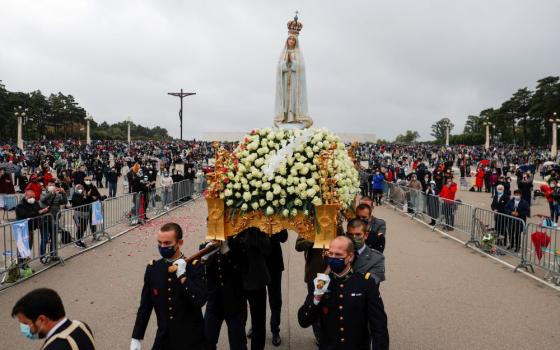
277	171
488	243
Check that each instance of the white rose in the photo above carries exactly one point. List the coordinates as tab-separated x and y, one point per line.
276	189
285	213
255	205
244	207
290	189
298	202
266	186
236	186
282	201
259	162
222	196
246	196
304	171
237	195
269	196
275	203
262	202
306	212
311	193
293	212
269	210
317	201
229	203
228	192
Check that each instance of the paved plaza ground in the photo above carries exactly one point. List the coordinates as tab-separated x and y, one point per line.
438	294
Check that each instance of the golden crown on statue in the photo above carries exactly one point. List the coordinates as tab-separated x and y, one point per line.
294	27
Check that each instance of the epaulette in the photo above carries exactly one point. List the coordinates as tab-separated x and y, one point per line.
151	262
194	262
367	275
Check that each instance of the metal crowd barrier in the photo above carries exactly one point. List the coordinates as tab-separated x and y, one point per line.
495	233
26	254
543	250
26	242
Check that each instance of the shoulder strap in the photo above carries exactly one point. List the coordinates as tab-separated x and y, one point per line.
65	334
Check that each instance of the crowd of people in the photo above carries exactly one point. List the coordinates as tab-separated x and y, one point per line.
234	280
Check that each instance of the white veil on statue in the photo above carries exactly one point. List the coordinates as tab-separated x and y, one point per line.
291	89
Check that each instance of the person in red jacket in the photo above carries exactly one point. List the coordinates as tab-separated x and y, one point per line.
35	186
479	179
548	194
447	194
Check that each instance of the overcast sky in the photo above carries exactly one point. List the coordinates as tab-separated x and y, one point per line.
372	66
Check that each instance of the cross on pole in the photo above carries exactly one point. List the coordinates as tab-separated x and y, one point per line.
181	95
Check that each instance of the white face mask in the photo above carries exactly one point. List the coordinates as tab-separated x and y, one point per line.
88	182
517	198
50	188
80	191
31	200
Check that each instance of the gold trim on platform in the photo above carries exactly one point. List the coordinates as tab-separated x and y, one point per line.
221	226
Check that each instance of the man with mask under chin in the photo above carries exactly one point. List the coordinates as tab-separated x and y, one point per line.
41	316
176	290
347	303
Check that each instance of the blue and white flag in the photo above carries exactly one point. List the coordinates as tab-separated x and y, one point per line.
20	231
96	213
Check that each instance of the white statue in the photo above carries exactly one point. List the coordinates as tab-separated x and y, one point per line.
291	90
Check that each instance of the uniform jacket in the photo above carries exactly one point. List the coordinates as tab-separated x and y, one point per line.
350	308
376	238
253	246
225	285
177	306
372	261
82	338
275	261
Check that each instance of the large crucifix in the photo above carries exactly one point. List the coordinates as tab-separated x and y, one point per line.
181	95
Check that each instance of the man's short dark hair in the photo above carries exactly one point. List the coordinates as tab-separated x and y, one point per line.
355	223
517	192
363	206
171	226
42	301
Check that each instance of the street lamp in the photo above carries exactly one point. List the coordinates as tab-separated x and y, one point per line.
554	120
20	114
88	119
129	120
488	124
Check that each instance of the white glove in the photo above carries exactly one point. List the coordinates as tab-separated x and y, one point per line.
181	267
135	344
321	283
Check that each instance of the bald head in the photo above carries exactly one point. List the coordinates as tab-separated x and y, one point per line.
342	244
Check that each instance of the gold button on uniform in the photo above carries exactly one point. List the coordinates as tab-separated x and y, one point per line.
341	307
169	280
342	340
342	329
170	317
340	296
169	289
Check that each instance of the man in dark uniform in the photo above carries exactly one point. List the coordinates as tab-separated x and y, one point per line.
41	315
254	245
177	292
225	298
376	227
275	264
347	303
